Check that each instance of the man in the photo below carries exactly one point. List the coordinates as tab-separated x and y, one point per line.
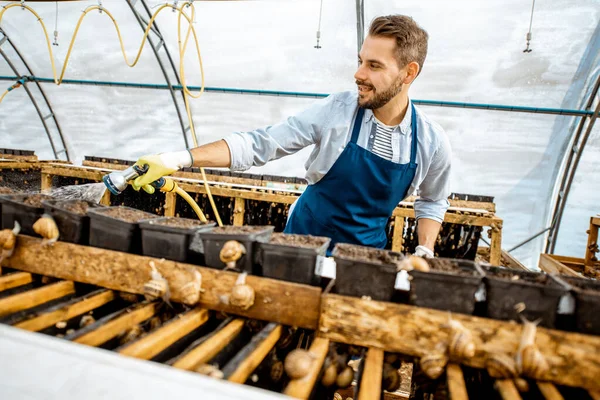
372	148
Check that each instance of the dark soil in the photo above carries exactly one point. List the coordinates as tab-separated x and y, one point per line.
127	214
179	222
76	207
367	254
450	267
35	200
231	229
310	242
516	277
5	190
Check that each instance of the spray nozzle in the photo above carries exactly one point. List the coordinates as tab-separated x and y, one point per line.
116	182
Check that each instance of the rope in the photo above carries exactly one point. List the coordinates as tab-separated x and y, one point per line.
319	27
528	50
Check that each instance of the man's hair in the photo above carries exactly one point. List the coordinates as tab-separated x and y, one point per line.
411	39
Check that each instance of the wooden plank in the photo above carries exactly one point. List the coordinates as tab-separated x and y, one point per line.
485	205
109	327
105	200
211	347
170	204
64	312
575	263
370	384
242	193
277	301
456	382
46	182
552	266
594	394
18	157
397	238
35	297
302	388
454	218
574	358
512	262
18	164
14	280
239	210
245	362
496	244
549	391
152	344
507	389
592	243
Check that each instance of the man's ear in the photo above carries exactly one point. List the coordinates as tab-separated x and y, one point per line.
412	70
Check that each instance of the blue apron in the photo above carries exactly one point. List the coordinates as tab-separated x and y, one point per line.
353	202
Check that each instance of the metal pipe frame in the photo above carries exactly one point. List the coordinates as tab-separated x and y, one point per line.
52	114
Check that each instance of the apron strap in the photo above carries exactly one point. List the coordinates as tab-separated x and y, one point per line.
357	124
414	141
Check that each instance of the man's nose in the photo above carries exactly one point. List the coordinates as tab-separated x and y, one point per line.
360	74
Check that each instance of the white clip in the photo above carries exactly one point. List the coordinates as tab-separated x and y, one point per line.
100	8
175	5
22	4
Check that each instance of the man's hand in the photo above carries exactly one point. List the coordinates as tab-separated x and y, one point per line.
160	165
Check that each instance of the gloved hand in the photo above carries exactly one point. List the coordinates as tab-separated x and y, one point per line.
160	165
422	251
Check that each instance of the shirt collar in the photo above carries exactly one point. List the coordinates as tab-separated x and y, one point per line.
405	125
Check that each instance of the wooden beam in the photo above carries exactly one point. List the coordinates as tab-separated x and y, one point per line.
155	342
549	391
370	384
46	182
575	263
552	266
170	204
239	210
105	200
496	244
507	389
397	237
211	347
453	217
592	243
594	394
302	388
277	301
513	262
35	297
456	382
242	193
245	362
574	358
113	325
14	280
64	312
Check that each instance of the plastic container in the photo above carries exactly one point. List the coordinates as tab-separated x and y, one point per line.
169	241
587	304
450	285
365	271
74	227
15	209
292	262
210	243
509	290
112	233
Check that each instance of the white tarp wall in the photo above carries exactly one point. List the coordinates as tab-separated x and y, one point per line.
475	55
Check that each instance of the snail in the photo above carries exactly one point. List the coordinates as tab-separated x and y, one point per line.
501	365
530	361
242	295
231	251
297	363
86	320
129	297
46	228
522	385
8	241
329	375
413	263
390	378
276	371
345	378
61	325
157	287
434	364
210	370
131	334
190	292
461	344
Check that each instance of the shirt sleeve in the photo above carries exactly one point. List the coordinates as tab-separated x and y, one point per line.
434	191
256	148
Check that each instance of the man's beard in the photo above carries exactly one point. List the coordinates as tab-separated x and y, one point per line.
379	99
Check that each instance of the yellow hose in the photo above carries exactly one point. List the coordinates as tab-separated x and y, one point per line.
182	49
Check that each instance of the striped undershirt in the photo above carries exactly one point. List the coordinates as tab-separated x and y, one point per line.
382	144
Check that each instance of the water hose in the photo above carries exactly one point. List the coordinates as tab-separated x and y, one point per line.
182	49
169	185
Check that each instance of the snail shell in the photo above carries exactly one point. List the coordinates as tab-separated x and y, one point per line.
344	378
337	396
297	363
46	228
390	378
61	325
210	370
190	292
329	375
276	371
242	296
231	251
501	366
131	334
154	289
434	364
534	363
86	320
8	239
461	343
522	385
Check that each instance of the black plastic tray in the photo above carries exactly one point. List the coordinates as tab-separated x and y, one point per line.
73	227
361	278
13	209
587	303
446	290
540	299
291	263
169	242
114	234
210	243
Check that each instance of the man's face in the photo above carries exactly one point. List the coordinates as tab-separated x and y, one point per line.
378	77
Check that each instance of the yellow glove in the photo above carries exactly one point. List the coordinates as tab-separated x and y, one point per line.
160	165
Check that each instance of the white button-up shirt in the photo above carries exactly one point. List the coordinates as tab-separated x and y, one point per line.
328	125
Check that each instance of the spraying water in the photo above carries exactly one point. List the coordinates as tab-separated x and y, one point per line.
90	192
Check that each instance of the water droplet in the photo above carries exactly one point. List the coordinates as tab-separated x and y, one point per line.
90	192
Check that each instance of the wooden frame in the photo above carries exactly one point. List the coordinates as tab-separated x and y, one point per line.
590	260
